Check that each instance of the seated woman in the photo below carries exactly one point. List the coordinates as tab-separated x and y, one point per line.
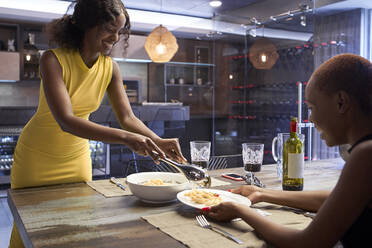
339	95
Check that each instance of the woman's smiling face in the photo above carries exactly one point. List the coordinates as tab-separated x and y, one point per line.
324	113
103	37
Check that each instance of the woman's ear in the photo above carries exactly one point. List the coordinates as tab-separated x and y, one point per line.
343	101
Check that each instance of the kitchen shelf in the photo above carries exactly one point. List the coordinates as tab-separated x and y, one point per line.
196	88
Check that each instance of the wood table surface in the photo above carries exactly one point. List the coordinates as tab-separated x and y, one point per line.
75	215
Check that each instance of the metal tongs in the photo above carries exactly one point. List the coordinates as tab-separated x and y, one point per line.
191	171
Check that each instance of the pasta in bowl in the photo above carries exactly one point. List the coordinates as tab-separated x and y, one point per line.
157	187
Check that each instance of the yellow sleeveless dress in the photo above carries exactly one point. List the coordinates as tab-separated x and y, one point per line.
46	155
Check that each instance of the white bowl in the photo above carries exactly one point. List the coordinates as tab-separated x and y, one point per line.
157	194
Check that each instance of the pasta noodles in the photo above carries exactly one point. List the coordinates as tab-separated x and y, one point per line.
155	182
204	197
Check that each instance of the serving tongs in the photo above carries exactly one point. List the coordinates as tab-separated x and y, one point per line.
191	171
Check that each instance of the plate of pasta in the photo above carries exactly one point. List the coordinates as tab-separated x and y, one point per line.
201	198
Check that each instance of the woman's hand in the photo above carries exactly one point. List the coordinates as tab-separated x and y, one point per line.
172	149
253	193
226	211
143	146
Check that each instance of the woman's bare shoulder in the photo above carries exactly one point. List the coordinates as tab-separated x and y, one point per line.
362	153
359	164
49	60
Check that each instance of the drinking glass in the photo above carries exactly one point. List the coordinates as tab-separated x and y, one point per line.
200	153
252	160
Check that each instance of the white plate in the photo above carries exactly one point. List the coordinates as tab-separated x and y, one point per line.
225	195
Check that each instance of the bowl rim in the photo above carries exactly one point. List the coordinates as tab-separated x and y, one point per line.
157	186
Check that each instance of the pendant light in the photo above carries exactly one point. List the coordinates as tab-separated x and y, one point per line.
161	45
263	54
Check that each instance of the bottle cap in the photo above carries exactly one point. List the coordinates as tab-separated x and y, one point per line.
293	125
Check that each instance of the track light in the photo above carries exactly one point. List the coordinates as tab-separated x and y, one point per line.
303	20
215	4
252	32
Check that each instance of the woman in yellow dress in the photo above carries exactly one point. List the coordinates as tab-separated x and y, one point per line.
53	147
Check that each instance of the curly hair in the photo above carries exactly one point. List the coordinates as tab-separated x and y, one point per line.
350	73
68	31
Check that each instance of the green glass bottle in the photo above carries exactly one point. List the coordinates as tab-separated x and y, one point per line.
293	160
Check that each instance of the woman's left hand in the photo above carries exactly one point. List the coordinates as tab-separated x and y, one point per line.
225	211
171	147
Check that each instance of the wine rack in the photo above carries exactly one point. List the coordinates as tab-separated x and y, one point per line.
261	102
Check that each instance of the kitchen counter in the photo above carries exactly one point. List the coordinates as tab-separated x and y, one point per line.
19	116
74	215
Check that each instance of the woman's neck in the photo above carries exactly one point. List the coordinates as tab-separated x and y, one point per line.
88	56
360	128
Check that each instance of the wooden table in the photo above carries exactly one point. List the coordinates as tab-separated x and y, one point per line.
74	215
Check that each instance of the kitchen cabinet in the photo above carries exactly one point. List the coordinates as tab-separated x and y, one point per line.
186	82
34	43
9	52
190	83
9	68
9	37
21	46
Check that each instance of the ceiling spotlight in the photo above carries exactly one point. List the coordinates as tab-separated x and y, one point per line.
215	4
303	20
252	32
255	21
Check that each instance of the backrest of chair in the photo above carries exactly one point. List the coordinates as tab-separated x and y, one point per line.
217	162
223	161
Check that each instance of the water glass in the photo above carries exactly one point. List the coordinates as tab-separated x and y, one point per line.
200	153
252	156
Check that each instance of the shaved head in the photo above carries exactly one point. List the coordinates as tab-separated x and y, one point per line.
349	73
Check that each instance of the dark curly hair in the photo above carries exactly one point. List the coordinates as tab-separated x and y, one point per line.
350	73
68	31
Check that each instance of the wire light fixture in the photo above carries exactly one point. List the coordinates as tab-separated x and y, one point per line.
161	45
263	54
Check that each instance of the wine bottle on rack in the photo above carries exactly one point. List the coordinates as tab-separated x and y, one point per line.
293	160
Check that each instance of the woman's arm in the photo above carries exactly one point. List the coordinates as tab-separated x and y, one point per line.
120	103
60	105
128	121
306	200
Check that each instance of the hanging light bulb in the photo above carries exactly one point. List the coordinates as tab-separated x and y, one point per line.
28	57
263	58
231	76
161	49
